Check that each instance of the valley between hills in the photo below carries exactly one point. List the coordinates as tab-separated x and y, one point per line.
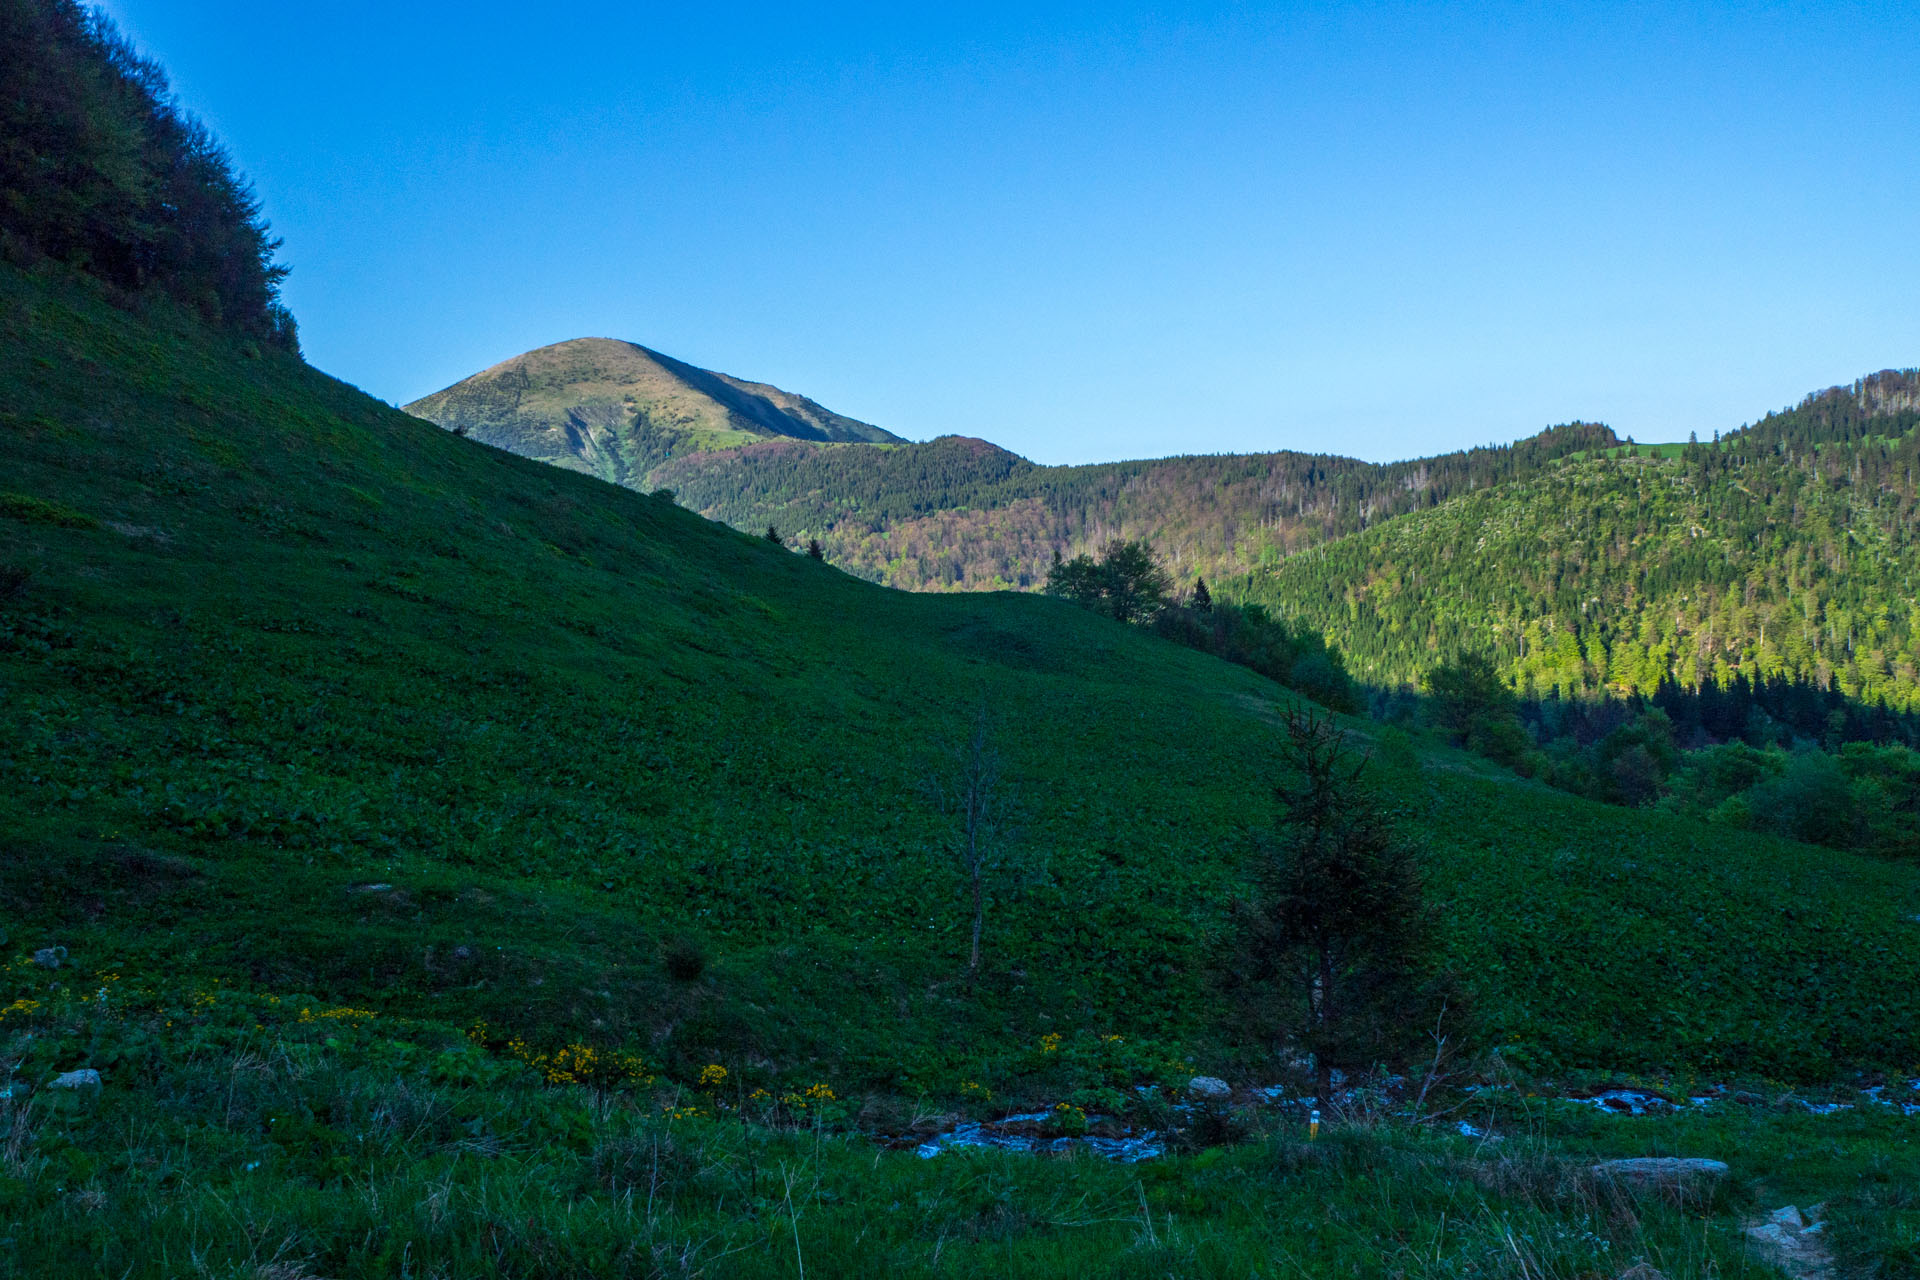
1588	565
441	848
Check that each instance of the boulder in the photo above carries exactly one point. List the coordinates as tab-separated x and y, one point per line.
83	1078
1661	1171
49	957
1792	1241
1212	1088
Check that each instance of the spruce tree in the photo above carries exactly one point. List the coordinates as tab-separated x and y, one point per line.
1336	949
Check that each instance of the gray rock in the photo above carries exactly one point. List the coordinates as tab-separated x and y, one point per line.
49	957
1211	1087
1791	1241
84	1077
1661	1171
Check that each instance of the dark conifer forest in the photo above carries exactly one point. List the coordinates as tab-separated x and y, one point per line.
101	169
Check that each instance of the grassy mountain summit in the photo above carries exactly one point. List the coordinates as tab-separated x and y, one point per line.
617	410
1586	565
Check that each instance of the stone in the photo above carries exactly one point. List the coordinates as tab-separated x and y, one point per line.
81	1079
1642	1271
1661	1171
1210	1087
49	957
1791	1240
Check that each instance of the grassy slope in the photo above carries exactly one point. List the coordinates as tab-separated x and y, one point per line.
281	641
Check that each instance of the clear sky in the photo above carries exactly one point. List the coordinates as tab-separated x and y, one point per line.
1098	231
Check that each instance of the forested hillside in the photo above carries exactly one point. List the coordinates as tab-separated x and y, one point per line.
1784	550
101	170
1584	565
960	513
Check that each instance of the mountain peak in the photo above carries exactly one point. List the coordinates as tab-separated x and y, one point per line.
616	409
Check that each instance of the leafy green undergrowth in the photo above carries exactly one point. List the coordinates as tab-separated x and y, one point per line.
326	700
257	1137
273	1136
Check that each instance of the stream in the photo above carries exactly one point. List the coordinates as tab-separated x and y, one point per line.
1113	1139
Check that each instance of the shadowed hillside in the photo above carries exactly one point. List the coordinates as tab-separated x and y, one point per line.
417	860
301	642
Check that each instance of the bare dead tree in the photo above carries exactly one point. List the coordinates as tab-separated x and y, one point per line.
970	790
978	802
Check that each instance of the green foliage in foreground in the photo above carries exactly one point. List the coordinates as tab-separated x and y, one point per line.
1337	946
252	1138
327	700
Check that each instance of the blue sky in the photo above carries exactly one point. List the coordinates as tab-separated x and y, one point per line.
1098	231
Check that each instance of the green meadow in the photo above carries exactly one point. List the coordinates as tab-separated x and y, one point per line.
460	866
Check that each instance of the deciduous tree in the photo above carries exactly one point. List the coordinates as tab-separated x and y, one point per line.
1126	583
